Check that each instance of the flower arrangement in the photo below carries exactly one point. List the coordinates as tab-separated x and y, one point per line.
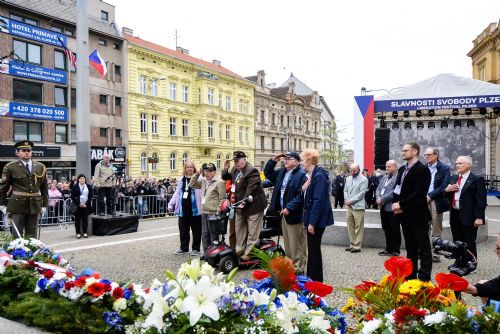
397	305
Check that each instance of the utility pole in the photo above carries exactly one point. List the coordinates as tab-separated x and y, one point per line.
82	87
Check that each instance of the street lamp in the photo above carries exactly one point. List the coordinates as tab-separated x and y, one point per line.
151	81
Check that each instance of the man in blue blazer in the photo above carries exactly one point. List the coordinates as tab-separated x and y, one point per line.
436	200
287	199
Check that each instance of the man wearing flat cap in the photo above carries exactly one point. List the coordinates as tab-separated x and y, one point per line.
245	180
287	199
29	196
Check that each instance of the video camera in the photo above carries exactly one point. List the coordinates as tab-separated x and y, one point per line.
458	251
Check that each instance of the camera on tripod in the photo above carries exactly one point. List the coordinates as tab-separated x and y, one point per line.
119	170
458	251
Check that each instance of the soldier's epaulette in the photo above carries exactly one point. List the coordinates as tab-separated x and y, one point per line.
10	163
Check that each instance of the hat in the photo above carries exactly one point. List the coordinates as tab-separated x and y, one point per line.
24	144
239	154
293	154
210	166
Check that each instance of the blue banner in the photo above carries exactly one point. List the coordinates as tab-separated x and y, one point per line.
28	31
35	72
33	111
458	102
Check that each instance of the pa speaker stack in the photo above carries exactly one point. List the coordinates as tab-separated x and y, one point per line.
382	137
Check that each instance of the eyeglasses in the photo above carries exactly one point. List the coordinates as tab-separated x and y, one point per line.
428	155
289	158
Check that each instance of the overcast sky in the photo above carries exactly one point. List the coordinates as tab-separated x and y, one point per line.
335	47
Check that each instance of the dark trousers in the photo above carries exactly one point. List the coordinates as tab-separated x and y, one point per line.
110	200
461	232
206	236
418	246
314	260
192	223
26	225
81	217
392	231
339	199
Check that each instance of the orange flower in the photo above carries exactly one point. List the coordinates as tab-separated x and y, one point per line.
361	289
260	274
399	266
318	288
451	281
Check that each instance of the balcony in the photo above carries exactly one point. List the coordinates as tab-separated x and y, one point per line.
186	139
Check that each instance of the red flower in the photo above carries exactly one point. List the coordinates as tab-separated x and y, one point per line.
283	270
405	313
317	301
69	285
97	289
146	290
96	275
399	266
80	281
361	289
69	274
260	274
451	281
432	293
48	274
318	288
118	293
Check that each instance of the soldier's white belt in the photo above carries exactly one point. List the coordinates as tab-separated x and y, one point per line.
21	193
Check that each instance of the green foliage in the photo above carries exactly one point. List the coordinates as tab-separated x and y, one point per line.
15	280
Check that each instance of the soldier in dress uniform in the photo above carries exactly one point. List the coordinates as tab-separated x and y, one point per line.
29	196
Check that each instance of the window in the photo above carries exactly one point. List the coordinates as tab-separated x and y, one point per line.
228	103
210	129
245	106
173	91
104	15
218	161
172	161
73	97
246	135
211	96
262	143
27	91
142	84
103	132
273	119
185	94
60	96
273	141
228	132
27	131
282	120
482	73
57	29
154	124
116	46
282	144
185	128
184	158
103	99
73	134
262	116
220	100
227	156
144	123
173	126
295	144
61	133
118	101
118	133
144	162
59	60
118	70
240	106
240	134
315	126
31	53
102	41
154	165
307	125
154	87
69	32
300	144
24	19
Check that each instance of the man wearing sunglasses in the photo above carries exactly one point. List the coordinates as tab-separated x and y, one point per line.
29	196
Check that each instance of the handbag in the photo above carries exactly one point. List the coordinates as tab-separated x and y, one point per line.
72	209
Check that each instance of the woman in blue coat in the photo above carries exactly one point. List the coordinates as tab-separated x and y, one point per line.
317	210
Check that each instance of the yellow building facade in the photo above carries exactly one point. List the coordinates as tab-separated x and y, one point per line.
183	108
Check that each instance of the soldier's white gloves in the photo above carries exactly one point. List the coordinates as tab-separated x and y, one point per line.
3	208
44	210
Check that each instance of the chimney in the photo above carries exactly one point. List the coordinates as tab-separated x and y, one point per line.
182	50
178	48
291	87
261	78
185	51
127	31
216	62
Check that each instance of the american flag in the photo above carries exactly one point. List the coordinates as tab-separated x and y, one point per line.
71	56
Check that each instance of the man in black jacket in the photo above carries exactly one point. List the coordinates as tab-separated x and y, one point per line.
468	204
410	207
287	199
339	185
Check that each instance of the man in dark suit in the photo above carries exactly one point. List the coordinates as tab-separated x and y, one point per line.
436	200
338	185
410	207
245	181
468	204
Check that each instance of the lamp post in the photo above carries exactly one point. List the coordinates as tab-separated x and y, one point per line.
147	114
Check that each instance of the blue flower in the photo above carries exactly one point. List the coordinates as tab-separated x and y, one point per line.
113	320
42	283
127	294
57	285
339	316
105	281
19	253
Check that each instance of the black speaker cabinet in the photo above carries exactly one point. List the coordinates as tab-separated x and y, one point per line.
382	138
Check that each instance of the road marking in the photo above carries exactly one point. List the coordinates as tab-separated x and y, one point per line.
92	239
493	220
113	243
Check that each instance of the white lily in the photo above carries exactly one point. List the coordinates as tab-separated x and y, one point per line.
207	270
200	300
158	310
193	269
319	322
290	312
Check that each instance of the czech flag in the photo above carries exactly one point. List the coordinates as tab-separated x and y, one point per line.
99	64
364	132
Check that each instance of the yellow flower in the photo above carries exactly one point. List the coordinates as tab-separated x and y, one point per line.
383	281
411	287
348	306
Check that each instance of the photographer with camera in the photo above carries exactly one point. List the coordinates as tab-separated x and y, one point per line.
468	204
487	289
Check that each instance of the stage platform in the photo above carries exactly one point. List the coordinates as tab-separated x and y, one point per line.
109	225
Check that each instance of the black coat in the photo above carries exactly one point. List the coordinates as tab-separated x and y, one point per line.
472	199
441	181
76	192
413	196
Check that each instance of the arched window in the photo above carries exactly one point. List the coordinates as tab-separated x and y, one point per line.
184	158
173	164
154	165
144	162
217	159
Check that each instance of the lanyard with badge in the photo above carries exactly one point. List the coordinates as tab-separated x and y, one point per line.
385	186
233	186
185	194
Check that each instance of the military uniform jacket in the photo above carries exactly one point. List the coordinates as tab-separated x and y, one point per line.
29	191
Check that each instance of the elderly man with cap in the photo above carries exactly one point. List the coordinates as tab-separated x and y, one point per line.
250	216
213	191
29	195
103	173
287	199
